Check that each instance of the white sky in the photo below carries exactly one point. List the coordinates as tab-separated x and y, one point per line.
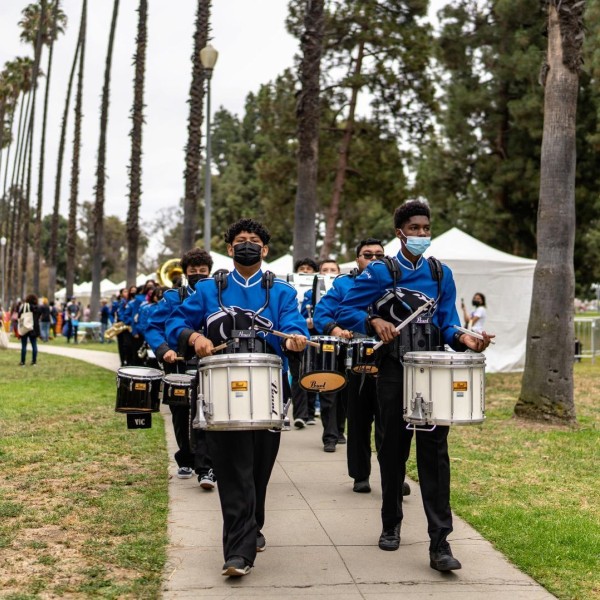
253	49
253	46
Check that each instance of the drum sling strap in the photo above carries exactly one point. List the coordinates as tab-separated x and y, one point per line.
417	336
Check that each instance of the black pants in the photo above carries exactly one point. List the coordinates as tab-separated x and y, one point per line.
361	411
333	415
121	345
303	402
433	462
192	446
243	463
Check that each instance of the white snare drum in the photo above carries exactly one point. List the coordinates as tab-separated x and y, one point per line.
239	391
444	388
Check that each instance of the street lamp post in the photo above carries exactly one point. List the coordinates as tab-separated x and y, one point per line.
2	247
208	58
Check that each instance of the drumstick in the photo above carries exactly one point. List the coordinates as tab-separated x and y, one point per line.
471	333
407	320
287	336
219	347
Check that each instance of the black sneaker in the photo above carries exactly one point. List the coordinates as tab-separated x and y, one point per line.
185	473
261	542
361	487
299	423
207	480
441	559
390	538
405	489
341	439
329	447
236	566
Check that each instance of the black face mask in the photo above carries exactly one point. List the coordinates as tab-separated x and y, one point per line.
195	278
476	303
247	253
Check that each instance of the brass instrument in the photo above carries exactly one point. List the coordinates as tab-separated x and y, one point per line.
116	329
169	272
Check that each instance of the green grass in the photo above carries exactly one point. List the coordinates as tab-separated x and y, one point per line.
83	500
534	490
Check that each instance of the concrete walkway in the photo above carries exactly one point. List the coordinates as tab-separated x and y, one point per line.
321	536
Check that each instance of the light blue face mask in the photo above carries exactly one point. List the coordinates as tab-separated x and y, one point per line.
417	245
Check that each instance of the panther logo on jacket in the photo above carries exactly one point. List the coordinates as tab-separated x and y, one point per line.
220	324
397	307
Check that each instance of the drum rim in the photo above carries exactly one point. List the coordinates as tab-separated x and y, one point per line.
172	378
328	338
448	358
240	357
146	372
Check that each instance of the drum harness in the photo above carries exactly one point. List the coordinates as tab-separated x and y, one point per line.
400	346
249	335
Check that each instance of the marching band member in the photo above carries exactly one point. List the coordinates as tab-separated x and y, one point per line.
303	402
243	459
196	264
395	290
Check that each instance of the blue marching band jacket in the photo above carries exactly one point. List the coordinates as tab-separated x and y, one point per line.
415	285
242	301
349	303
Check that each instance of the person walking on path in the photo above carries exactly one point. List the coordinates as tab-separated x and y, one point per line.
395	288
31	334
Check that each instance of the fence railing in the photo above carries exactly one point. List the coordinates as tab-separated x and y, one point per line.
587	337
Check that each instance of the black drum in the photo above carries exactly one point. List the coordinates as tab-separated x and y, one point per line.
322	368
361	356
176	390
138	389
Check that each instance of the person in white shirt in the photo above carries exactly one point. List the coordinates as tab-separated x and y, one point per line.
475	319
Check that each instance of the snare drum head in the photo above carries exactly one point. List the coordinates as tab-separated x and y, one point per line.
444	358
241	358
178	379
140	372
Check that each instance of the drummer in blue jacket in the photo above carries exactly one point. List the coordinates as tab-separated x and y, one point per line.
243	460
395	290
191	455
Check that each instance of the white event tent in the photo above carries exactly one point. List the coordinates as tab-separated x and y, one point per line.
504	279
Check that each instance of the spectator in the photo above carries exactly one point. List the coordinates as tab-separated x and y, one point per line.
105	319
44	316
31	303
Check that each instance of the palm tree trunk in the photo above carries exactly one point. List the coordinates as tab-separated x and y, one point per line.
37	229
308	115
192	150
135	170
344	152
98	231
547	385
29	153
72	224
53	252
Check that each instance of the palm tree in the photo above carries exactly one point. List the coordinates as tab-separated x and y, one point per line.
32	30
53	251
192	149
98	235
21	70
52	25
547	385
72	225
135	168
308	116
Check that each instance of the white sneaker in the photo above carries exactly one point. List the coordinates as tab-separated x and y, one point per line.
299	423
185	473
